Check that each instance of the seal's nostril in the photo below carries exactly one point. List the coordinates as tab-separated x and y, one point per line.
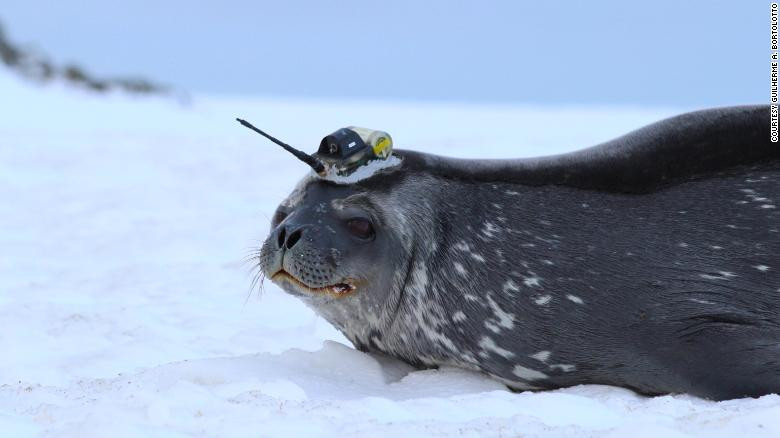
293	238
280	238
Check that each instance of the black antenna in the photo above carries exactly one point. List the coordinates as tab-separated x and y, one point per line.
303	156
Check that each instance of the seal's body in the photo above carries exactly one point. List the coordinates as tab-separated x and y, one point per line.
649	262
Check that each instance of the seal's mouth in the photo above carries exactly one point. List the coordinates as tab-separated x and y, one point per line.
338	290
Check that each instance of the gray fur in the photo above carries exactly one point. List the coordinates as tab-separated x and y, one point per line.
547	284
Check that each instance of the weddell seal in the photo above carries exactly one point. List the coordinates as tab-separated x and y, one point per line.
650	262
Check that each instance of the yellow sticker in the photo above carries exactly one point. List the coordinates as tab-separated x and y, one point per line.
380	146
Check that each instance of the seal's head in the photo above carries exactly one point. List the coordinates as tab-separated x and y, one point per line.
330	236
335	246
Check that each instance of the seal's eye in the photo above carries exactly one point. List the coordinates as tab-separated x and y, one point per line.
360	227
279	216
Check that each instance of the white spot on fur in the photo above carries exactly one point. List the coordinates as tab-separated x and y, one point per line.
425	316
492	327
506	320
548	262
460	269
716	247
566	368
696	300
419	277
575	299
462	246
532	281
762	268
490	229
511	286
511	192
478	257
722	275
487	344
767	206
543	300
682	245
541	356
527	373
459	316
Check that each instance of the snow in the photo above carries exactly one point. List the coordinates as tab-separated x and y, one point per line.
126	308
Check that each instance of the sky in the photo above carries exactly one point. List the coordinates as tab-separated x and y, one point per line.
659	53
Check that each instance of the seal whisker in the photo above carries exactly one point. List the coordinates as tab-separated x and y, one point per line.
257	281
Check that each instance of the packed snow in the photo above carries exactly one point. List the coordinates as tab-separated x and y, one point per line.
126	306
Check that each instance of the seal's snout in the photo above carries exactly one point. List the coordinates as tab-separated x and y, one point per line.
300	258
287	237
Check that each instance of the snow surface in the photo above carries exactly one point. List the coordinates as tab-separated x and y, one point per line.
126	309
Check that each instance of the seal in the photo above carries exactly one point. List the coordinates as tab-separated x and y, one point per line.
648	262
